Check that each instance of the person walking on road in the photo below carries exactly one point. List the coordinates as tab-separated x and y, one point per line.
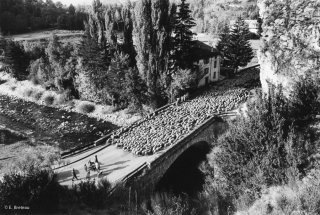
88	175
74	174
97	167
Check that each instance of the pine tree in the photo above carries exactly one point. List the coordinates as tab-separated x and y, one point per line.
95	60
16	59
224	41
183	36
235	47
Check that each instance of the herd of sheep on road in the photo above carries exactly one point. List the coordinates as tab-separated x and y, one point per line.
169	125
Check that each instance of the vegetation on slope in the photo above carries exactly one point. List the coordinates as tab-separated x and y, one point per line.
270	146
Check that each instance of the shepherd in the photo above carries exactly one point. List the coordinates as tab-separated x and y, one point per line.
74	174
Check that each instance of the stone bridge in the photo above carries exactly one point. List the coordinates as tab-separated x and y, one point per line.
150	146
150	173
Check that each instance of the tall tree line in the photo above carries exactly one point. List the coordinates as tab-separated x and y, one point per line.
18	16
146	32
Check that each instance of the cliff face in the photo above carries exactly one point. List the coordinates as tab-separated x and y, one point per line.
291	41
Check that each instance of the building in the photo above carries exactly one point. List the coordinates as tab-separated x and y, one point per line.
206	59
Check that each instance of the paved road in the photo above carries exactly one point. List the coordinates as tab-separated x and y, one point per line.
115	164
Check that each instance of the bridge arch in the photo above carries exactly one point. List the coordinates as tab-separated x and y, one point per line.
184	175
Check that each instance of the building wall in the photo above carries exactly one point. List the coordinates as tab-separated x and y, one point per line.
214	71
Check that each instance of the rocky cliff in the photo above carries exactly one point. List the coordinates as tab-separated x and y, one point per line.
291	41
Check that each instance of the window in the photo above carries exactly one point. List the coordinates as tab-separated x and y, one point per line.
206	60
214	75
206	71
215	64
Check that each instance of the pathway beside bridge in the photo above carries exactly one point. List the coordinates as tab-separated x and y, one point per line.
144	142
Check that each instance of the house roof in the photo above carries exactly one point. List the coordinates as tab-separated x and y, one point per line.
200	50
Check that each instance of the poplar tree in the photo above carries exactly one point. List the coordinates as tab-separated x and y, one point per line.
128	47
151	37
235	46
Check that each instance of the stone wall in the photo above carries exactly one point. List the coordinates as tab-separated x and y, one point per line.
291	41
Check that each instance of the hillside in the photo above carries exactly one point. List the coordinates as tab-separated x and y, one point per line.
211	15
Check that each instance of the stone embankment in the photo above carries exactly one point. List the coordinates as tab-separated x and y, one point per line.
290	41
166	127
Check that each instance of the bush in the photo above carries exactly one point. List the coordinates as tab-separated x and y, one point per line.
28	93
86	107
300	198
38	190
168	204
37	96
48	99
92	195
261	150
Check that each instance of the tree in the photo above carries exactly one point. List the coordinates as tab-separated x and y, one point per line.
183	36
119	66
16	59
151	36
235	46
128	47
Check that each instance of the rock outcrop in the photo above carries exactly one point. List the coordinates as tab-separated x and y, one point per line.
291	41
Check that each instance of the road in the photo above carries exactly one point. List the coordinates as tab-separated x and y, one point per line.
115	164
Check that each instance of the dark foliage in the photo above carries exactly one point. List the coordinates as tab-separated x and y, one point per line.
235	46
92	195
270	146
182	42
16	59
39	190
18	16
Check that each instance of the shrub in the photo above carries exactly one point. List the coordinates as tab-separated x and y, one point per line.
167	204
28	93
86	107
39	190
260	150
37	96
92	195
13	88
48	99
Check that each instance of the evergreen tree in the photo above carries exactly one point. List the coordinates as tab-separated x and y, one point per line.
224	41
119	66
136	89
95	61
183	36
16	59
235	47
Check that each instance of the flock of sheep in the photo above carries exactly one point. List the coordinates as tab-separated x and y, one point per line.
169	125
